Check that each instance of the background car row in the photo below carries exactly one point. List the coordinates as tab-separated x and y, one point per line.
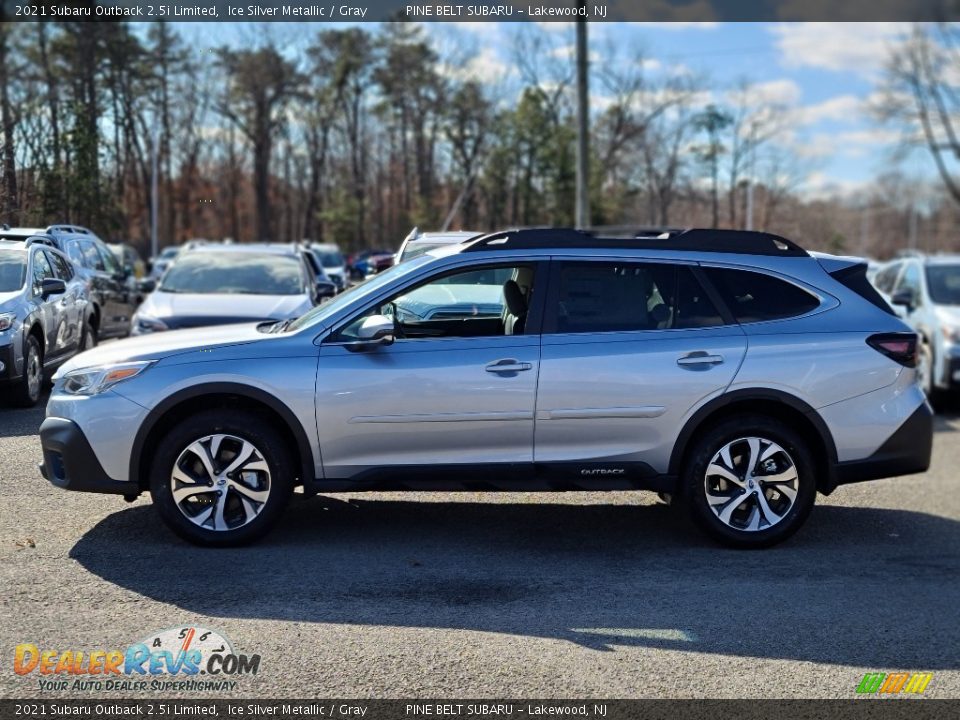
62	290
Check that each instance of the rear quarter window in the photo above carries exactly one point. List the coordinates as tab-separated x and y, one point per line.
756	297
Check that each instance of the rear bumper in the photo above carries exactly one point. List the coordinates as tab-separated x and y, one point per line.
70	463
905	452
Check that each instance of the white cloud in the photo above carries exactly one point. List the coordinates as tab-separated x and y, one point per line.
484	67
842	108
851	47
820	186
850	144
775	92
568	52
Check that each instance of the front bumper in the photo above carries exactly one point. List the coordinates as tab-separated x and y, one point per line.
10	372
70	463
905	452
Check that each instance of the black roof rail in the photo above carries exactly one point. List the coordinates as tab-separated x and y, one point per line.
745	242
41	240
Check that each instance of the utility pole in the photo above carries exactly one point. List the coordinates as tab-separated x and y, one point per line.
154	189
583	123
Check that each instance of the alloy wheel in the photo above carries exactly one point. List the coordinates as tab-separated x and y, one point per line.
751	484
220	482
34	373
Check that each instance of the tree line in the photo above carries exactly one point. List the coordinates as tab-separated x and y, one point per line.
355	135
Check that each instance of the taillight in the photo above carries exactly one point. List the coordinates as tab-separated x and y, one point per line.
899	347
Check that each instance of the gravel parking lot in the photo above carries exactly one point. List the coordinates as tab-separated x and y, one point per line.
484	595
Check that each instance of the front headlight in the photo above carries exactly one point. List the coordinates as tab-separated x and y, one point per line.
94	380
147	324
6	321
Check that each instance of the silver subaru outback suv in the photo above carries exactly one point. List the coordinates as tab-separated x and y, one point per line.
730	370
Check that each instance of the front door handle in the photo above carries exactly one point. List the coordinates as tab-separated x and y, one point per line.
507	366
700	358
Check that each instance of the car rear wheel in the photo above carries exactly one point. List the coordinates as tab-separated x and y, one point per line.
749	482
26	392
221	478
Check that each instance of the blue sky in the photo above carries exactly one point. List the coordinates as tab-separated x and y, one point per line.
824	72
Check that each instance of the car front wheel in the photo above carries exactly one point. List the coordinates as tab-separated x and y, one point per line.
26	393
750	482
221	478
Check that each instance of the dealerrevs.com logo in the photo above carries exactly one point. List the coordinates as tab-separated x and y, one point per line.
182	658
879	683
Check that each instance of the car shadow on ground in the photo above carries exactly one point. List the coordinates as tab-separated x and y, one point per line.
857	586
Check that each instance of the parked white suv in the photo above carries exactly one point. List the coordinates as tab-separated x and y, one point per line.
925	291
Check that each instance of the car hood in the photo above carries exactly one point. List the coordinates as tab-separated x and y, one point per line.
8	300
157	346
162	305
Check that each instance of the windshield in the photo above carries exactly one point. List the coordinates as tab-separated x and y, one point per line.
416	250
357	292
234	273
169	253
943	282
13	270
329	258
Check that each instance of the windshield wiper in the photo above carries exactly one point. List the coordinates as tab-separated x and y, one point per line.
280	325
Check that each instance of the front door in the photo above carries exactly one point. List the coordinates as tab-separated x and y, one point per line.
456	388
628	349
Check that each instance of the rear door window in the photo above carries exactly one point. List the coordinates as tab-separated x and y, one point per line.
593	297
755	296
91	257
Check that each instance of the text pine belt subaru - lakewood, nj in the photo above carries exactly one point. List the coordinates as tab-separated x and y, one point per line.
732	370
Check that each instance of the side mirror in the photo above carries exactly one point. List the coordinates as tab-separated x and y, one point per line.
375	331
324	290
52	286
148	285
906	298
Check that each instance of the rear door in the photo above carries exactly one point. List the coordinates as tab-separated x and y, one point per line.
120	292
629	347
71	302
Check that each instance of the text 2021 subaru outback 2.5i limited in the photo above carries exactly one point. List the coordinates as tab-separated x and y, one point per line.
731	370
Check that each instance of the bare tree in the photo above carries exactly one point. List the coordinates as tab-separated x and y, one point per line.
920	95
260	83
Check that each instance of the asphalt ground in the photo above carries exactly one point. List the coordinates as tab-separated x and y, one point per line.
593	595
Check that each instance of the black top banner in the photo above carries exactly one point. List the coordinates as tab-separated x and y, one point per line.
483	10
489	709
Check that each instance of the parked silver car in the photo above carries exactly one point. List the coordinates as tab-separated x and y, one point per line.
925	291
224	284
732	371
44	316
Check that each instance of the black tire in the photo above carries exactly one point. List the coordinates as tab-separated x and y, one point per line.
88	338
247	426
694	481
25	393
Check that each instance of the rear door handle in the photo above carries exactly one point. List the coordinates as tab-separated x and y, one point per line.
507	366
700	359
